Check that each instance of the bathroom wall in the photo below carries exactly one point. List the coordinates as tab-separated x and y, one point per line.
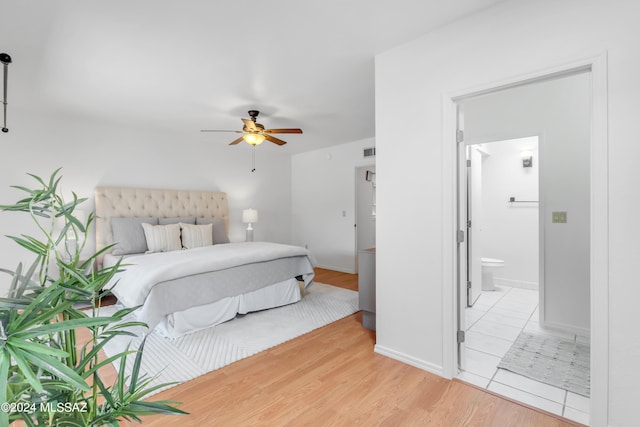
509	231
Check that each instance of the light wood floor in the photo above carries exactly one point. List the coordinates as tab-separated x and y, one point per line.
332	377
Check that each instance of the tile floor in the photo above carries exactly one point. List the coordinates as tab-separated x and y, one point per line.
492	325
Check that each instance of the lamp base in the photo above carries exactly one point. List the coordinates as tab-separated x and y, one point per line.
249	235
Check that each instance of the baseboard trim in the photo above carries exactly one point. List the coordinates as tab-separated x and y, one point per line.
568	328
515	283
410	360
334	268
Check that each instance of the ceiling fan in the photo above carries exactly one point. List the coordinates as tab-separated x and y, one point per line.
254	133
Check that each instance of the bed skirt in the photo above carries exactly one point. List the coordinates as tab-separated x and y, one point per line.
197	318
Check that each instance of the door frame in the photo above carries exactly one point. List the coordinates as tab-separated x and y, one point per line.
599	237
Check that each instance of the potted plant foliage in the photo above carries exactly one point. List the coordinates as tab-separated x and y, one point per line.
47	377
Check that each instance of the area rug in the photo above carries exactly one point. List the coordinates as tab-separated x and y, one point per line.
555	361
182	359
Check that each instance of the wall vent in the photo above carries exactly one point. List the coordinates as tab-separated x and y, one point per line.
369	152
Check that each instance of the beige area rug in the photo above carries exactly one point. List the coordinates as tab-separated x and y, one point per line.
552	360
182	359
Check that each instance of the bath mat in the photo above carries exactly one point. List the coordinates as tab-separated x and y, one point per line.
551	360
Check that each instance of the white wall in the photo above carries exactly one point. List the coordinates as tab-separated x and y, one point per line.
559	111
509	231
514	38
93	154
323	200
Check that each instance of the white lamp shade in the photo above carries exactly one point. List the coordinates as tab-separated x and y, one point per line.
249	216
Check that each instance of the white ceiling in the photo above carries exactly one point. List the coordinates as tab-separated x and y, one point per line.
181	66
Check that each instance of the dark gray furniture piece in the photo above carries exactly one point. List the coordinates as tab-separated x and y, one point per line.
367	286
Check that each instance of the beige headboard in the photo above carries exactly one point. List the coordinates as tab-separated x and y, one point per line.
132	202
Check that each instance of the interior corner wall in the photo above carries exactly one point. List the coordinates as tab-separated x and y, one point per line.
510	40
99	154
323	202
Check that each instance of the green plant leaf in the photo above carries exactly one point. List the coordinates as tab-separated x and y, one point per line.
124	325
32	347
25	369
87	358
65	326
104	391
116	333
5	361
14	303
125	311
26	279
158	407
57	368
47	315
67	211
136	366
37	178
73	288
80	278
145	390
69	421
25	189
57	385
40	302
25	243
121	378
106	362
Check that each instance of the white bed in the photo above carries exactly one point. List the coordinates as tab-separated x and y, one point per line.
187	290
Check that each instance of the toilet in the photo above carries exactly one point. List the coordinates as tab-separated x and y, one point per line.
490	266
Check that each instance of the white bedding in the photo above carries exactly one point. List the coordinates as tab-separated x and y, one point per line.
170	282
143	272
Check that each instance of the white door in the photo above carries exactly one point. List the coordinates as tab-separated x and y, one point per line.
474	221
461	261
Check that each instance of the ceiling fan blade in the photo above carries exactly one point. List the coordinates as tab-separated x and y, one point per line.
237	141
274	139
286	130
215	130
249	125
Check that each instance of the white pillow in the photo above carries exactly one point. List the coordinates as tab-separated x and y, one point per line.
195	236
162	238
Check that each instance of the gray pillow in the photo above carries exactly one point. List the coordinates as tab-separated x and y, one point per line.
128	234
219	230
176	220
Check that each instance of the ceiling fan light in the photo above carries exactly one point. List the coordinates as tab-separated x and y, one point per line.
253	138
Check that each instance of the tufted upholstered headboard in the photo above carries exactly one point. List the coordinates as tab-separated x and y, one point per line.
132	202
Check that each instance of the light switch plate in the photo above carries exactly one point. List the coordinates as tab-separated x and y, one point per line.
559	217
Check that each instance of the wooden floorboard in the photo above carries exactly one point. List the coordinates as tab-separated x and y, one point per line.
332	377
337	278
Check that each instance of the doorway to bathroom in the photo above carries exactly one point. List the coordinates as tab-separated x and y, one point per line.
535	239
502	216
